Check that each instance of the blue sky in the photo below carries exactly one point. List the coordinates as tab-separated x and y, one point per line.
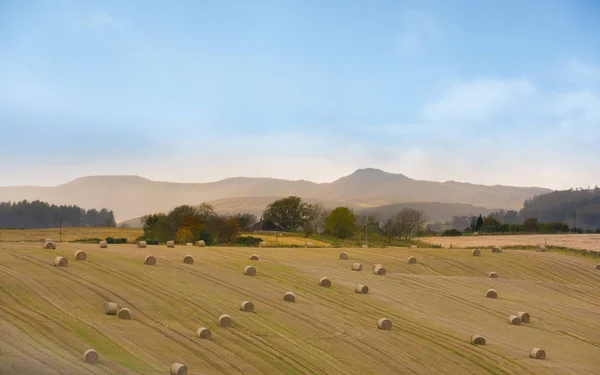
492	92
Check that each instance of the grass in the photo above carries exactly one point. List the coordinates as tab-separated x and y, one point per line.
50	316
68	234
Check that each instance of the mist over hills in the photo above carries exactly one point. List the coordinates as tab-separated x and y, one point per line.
134	196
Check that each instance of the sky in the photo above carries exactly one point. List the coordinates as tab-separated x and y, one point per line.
491	92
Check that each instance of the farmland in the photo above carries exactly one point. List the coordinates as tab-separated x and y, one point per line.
51	315
573	241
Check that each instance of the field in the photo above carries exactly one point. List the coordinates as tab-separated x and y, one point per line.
68	234
574	241
49	316
287	240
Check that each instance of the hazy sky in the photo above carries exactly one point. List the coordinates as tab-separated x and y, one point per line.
493	92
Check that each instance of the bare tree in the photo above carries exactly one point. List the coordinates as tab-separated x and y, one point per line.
318	218
409	221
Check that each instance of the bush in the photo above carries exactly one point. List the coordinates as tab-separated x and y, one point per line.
248	241
452	232
87	240
142	238
110	240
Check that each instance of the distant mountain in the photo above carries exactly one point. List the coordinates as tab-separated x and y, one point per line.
434	211
133	196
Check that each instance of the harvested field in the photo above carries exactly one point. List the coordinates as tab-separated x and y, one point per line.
574	241
287	240
51	316
68	234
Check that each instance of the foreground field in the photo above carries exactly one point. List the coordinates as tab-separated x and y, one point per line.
68	234
49	316
574	241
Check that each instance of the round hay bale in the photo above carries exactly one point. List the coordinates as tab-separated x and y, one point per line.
170	243
49	245
189	244
598	266
493	275
142	244
103	244
364	246
263	244
361	289
80	255
477	340
225	321
90	356
289	297
356	267
379	270
476	253
412	260
541	249
525	318
247	306
60	262
200	243
514	320
188	259
254	257
344	256
491	293
413	246
111	308
309	244
124	313
150	260
323	281
203	333
496	249
385	324
178	369
537	353
250	271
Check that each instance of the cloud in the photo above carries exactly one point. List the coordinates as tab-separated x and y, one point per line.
577	71
417	28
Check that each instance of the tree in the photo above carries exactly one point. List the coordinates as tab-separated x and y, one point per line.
288	213
409	221
341	222
490	221
245	221
184	235
530	224
479	223
318	218
390	229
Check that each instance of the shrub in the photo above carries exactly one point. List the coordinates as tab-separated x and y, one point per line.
452	232
110	240
248	241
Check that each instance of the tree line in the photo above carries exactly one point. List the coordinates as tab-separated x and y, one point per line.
38	214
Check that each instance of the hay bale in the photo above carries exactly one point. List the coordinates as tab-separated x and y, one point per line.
200	243
491	293
254	257
178	369
537	353
364	246
188	259
476	253
203	333
477	340
412	260
124	313
142	244
250	271
525	318
344	256
356	267
541	249
171	244
379	270
189	244
49	245
90	356
80	255
289	297
225	321
60	262
323	281
111	308
493	275
496	249
598	266
150	260
413	246
309	244
103	244
514	320
385	324
361	289
247	306
263	244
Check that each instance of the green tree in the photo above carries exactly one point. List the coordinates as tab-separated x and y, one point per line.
288	213
530	224
341	222
479	223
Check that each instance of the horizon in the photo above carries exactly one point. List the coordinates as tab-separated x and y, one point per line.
301	91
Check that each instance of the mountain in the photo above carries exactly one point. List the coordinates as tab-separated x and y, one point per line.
133	196
434	211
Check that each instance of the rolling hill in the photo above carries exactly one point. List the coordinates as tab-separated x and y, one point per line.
133	196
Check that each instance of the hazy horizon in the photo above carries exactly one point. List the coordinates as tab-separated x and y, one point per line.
494	93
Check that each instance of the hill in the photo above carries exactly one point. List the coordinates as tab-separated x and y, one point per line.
562	205
434	211
50	315
132	196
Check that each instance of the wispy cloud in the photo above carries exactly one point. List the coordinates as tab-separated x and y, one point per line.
580	72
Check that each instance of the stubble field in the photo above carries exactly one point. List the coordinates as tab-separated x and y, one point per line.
573	241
